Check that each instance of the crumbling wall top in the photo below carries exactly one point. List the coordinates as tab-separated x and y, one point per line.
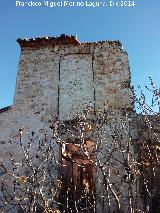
44	41
60	40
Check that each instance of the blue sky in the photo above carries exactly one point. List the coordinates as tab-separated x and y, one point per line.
138	29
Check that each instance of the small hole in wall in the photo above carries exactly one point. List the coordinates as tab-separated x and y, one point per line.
37	112
2	142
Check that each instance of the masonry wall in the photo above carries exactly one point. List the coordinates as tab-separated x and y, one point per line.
37	81
58	77
61	79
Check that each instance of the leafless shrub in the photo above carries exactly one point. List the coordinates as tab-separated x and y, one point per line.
90	164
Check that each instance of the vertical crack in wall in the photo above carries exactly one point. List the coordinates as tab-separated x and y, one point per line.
59	73
94	89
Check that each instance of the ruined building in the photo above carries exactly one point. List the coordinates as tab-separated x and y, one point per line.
57	77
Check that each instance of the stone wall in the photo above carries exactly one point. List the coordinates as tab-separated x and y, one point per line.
57	77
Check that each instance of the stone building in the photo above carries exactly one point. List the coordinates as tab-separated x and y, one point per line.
57	77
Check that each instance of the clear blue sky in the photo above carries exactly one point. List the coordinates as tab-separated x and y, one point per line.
138	28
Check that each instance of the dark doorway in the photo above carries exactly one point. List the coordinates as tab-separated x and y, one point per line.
78	180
